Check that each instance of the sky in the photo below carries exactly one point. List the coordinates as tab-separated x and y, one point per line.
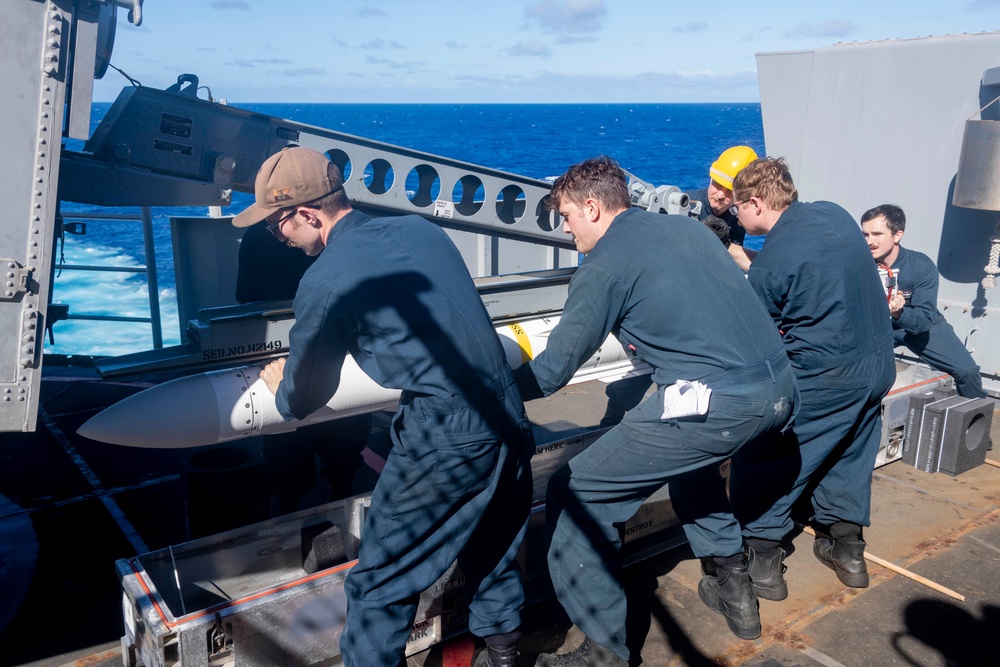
513	51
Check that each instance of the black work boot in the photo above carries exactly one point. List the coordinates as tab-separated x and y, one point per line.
730	593
765	560
497	656
588	654
842	549
501	650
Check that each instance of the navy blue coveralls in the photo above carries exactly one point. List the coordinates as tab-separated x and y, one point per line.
670	292
395	294
816	278
625	394
269	270
923	329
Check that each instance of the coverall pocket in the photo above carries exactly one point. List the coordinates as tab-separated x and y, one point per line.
461	471
736	407
729	424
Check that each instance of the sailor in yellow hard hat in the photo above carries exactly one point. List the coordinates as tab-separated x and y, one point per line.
718	197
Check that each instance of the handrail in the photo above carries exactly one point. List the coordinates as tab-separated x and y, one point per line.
149	269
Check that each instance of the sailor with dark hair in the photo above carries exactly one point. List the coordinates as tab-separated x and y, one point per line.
670	292
917	324
833	318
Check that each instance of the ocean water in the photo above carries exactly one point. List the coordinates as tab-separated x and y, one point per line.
663	144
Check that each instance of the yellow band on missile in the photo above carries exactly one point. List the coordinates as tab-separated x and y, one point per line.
522	341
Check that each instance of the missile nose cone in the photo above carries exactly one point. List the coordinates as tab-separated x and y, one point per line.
180	413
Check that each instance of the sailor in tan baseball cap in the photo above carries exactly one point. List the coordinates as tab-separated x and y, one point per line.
293	180
292	176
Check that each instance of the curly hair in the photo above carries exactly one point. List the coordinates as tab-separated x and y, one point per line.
599	178
769	180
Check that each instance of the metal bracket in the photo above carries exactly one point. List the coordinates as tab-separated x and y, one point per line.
134	8
16	280
220	645
222	175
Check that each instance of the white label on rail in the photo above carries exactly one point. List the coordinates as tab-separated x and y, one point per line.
444	209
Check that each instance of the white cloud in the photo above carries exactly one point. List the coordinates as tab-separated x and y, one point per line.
303	71
575	39
534	49
569	16
692	26
231	4
379	43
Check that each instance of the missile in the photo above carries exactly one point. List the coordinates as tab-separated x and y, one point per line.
225	405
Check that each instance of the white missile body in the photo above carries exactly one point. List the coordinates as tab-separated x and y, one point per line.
225	405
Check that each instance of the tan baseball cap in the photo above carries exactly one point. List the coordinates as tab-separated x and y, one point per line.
292	176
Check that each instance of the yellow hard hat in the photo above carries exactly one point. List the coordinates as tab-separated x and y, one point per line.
730	163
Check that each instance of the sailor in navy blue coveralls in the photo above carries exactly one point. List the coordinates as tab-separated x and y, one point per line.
669	291
923	329
396	295
816	279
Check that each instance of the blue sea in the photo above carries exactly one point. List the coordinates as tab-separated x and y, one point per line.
663	144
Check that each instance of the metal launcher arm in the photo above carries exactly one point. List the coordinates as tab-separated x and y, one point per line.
165	148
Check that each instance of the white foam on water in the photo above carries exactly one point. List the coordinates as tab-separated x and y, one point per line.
107	293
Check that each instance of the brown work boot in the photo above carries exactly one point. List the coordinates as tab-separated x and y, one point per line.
588	654
842	549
